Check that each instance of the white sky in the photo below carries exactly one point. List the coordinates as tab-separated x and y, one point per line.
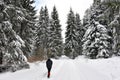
63	8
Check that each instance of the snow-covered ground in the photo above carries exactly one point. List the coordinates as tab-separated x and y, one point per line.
67	69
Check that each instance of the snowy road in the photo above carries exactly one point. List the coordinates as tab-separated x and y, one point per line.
72	70
67	69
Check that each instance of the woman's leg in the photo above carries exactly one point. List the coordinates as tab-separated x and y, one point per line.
48	73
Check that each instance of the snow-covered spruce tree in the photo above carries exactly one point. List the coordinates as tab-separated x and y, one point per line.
96	41
16	14
28	28
80	33
114	23
42	33
89	12
39	33
111	15
28	5
22	18
10	43
51	37
99	12
71	37
55	38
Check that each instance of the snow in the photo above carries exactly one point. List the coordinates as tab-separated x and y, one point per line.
21	42
67	69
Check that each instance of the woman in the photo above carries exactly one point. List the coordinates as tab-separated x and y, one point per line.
49	66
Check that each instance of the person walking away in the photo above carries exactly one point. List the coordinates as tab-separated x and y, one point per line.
49	66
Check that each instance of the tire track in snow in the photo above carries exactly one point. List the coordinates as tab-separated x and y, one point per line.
68	71
89	72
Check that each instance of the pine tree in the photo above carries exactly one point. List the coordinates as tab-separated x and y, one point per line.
22	18
71	36
42	32
89	12
28	5
111	15
113	10
51	40
80	32
41	18
55	32
97	41
10	43
28	28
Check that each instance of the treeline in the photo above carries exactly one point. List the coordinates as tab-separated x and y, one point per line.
49	42
24	37
96	37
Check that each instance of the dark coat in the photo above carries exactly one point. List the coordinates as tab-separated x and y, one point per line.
49	64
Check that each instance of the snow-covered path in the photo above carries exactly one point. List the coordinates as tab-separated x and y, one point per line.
67	69
72	70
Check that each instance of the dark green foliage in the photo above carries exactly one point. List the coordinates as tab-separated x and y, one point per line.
22	17
71	36
42	42
102	15
16	25
96	41
80	33
113	19
28	27
55	38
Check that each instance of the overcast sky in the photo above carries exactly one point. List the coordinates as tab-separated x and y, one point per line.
63	7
